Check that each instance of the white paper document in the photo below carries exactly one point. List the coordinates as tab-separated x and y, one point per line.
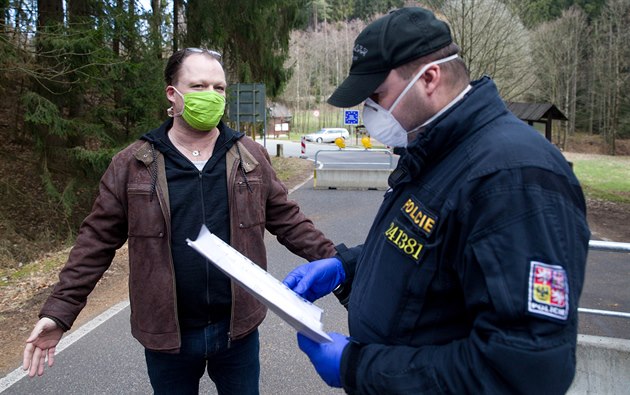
301	314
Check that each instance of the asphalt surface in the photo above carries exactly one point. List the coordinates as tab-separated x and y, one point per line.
107	360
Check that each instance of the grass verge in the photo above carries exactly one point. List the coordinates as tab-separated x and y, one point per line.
604	177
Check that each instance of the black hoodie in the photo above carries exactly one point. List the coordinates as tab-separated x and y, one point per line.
196	198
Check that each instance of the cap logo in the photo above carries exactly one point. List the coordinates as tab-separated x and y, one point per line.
359	50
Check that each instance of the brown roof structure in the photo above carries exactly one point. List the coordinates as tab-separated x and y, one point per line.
537	112
278	110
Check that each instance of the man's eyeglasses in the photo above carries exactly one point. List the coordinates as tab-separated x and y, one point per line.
212	53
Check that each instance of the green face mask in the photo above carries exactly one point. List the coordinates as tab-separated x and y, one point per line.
202	110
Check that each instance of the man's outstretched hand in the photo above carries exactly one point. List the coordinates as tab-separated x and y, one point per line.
41	344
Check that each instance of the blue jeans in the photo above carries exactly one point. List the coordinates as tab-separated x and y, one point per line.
234	370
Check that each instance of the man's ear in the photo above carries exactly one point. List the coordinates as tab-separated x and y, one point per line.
431	78
170	93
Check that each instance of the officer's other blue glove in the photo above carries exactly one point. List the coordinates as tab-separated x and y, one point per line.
325	357
316	279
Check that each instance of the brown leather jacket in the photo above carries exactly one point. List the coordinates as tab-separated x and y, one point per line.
133	205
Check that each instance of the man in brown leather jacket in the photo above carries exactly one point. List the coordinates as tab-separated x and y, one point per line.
191	171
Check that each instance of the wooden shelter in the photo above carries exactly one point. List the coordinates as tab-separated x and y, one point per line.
280	119
537	112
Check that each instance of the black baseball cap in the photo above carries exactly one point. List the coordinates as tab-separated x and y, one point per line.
397	38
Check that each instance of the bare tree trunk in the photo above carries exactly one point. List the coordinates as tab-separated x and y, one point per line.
49	12
130	43
118	27
619	10
79	18
156	26
574	78
177	8
298	75
614	93
49	23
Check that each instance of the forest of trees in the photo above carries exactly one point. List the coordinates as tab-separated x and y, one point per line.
82	78
569	53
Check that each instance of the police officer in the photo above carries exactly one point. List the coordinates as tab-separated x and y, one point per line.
470	276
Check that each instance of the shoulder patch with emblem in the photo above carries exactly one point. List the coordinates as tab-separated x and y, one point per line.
548	291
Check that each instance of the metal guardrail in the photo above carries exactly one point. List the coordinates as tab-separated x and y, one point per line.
610	246
604	312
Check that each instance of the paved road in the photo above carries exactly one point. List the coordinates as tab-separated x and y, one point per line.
292	148
328	156
109	361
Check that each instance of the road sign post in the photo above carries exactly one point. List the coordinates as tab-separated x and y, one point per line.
351	117
246	103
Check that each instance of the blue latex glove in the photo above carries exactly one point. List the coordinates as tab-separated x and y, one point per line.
325	357
316	279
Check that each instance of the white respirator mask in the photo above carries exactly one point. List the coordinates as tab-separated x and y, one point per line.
382	125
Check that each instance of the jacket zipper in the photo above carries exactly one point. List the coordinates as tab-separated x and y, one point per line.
231	182
168	238
203	220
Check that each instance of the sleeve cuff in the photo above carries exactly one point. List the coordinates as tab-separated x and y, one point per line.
60	324
347	258
349	363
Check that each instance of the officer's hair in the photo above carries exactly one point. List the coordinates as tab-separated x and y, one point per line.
455	72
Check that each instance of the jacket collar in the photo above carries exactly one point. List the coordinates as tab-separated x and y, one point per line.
246	159
158	138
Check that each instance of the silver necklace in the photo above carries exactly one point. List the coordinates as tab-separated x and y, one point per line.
194	152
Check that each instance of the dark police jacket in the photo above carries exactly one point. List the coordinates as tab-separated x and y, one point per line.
469	279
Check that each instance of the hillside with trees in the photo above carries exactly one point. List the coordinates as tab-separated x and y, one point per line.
569	53
83	78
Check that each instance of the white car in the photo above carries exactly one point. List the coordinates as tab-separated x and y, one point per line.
327	135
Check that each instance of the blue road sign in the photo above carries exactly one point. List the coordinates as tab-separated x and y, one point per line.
351	117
